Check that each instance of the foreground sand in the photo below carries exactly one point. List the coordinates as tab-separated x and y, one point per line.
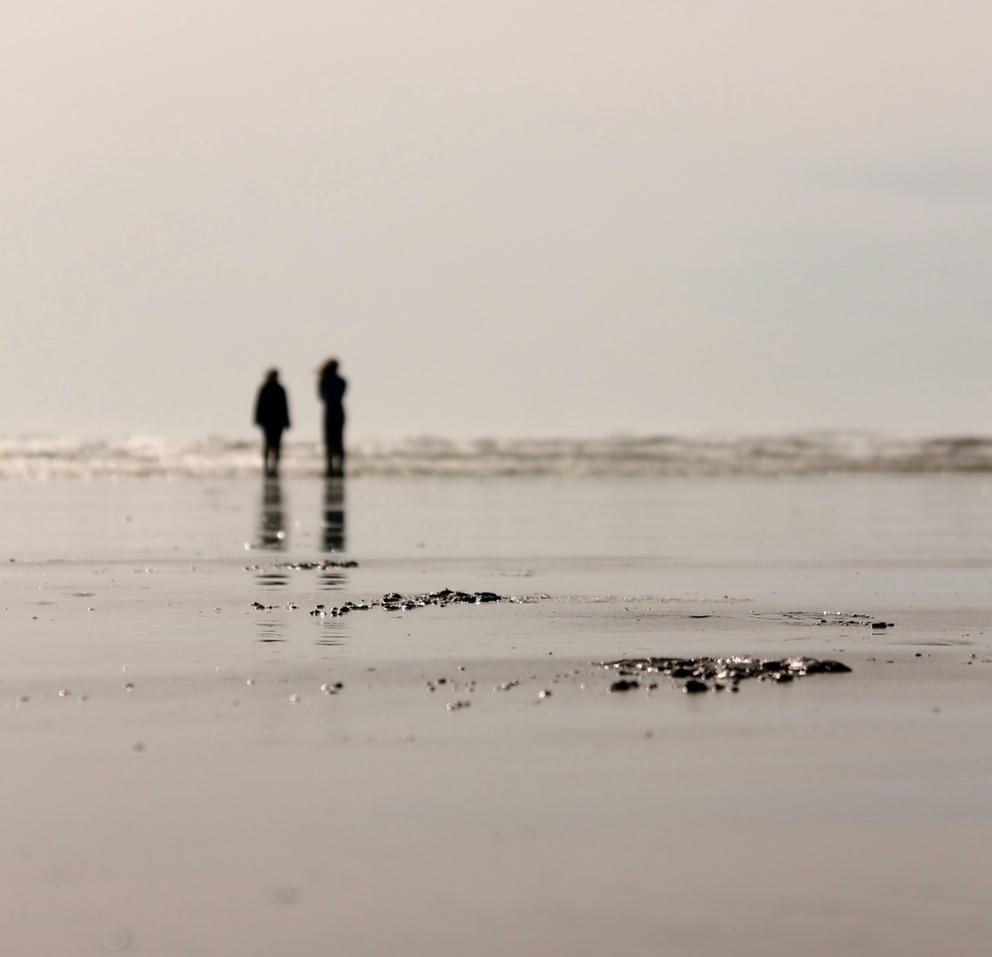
193	791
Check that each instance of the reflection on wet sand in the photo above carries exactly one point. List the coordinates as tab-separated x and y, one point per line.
332	580
334	539
271	630
282	621
271	579
271	518
276	628
331	641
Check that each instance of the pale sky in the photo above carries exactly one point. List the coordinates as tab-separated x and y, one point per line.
567	217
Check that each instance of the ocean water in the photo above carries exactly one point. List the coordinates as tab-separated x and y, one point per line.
808	453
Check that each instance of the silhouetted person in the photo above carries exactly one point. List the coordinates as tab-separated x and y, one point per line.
331	388
272	414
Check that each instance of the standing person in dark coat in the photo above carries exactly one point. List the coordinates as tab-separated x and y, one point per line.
331	388
272	414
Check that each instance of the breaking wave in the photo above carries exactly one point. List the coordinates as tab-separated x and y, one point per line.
814	453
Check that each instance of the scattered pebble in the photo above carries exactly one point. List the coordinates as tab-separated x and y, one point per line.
624	685
457	705
116	938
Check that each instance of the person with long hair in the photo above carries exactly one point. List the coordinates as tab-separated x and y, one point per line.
330	388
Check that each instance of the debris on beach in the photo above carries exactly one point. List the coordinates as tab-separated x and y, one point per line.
624	685
724	673
442	598
397	602
394	601
458	705
320	566
820	618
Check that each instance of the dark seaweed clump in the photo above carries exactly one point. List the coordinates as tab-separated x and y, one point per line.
321	566
397	602
724	673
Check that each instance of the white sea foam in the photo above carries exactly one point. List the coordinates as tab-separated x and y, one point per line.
36	458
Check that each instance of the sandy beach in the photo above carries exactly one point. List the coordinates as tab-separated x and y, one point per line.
201	758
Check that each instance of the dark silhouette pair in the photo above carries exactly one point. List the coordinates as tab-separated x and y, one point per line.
272	416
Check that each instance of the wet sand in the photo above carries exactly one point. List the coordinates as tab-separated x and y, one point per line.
178	781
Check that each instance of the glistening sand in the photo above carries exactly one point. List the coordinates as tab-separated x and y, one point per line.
166	806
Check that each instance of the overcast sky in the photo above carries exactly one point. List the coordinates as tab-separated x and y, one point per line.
514	218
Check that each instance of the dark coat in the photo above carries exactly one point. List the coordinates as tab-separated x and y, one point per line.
331	389
271	408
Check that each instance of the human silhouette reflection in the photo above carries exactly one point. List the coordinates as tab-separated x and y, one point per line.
334	517
271	518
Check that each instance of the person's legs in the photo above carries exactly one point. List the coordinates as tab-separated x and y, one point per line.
332	444
335	450
265	451
273	447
